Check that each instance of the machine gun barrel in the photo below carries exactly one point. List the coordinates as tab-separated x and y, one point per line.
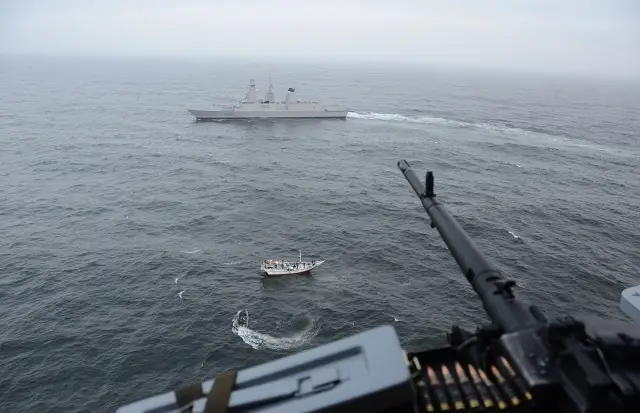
494	291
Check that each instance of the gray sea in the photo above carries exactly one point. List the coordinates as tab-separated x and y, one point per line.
113	200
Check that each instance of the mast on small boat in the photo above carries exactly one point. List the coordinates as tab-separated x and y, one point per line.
300	255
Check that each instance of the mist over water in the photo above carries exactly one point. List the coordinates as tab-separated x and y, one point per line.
115	201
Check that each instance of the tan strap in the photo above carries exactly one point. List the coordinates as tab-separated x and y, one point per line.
218	399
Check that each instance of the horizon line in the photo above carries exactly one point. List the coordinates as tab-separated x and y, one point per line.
347	60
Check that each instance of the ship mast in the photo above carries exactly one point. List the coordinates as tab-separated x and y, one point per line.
250	96
271	97
288	97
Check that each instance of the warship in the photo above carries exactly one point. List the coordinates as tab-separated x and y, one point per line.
253	107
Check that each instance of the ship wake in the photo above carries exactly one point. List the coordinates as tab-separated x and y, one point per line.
258	340
432	120
395	117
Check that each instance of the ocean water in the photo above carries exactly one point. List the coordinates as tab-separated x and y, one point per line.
114	200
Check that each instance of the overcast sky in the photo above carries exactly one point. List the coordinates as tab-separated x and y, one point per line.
551	35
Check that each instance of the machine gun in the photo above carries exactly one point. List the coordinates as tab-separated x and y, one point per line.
521	362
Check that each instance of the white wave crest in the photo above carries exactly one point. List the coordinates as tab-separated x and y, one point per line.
517	237
259	340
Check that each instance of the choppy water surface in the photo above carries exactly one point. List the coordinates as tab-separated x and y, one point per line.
114	201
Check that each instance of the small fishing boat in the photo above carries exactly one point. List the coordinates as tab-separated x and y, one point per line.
283	267
242	318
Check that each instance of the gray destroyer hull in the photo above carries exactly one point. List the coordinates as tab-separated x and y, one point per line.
267	114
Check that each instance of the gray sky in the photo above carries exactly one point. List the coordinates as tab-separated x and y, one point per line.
584	36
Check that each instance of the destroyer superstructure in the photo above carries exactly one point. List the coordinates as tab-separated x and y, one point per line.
253	107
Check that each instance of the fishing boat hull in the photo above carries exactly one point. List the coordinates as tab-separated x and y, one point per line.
274	272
